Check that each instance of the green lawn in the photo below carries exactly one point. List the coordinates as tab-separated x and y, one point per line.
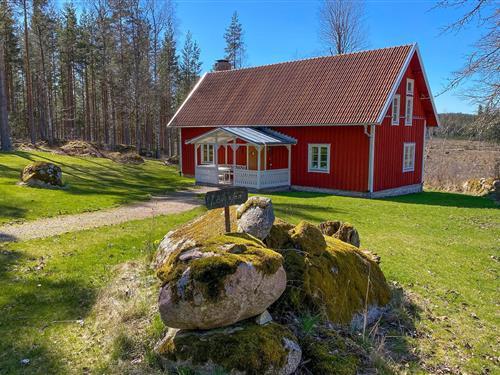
47	285
93	184
442	248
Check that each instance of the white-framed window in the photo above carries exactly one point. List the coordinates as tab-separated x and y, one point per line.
319	158
410	86
396	104
409	111
207	154
408	157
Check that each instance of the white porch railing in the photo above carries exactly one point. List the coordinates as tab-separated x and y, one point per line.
207	174
268	179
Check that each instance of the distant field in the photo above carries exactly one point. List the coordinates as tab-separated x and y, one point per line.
449	163
92	184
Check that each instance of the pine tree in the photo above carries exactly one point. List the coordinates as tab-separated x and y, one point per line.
4	120
235	46
189	67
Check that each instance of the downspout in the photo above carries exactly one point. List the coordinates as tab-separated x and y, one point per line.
371	157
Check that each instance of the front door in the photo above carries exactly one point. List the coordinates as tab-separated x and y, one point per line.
252	158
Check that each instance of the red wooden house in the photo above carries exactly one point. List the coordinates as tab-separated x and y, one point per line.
350	124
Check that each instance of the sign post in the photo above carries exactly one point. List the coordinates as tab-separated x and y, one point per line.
225	198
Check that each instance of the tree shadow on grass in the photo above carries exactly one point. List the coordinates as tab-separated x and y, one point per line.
12	212
30	306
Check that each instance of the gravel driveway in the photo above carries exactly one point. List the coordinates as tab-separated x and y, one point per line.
169	204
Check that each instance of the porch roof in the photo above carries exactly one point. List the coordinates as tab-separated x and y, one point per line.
255	136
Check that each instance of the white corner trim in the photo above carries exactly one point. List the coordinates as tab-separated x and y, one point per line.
396	84
371	161
180	151
187	98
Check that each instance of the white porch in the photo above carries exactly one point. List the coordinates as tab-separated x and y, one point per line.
226	168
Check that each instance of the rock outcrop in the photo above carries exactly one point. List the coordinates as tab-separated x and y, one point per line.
256	217
42	174
245	348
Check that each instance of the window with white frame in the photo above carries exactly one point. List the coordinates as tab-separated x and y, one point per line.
319	158
410	86
207	154
395	109
409	157
409	111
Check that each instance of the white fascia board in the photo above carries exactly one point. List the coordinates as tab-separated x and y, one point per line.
187	98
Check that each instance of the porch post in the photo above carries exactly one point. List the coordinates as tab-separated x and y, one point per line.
234	147
289	148
225	160
265	157
258	167
196	155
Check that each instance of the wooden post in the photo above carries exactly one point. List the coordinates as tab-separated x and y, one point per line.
227	219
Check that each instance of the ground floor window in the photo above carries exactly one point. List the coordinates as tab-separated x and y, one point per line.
409	157
207	154
319	158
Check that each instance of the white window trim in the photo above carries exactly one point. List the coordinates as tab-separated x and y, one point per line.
207	145
408	80
405	146
409	116
398	97
309	157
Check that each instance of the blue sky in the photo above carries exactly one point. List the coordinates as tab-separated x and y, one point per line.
287	30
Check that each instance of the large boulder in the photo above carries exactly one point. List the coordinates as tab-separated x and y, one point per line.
256	217
223	280
328	276
42	174
245	348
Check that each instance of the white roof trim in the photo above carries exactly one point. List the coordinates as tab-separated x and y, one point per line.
397	83
427	85
187	98
268	137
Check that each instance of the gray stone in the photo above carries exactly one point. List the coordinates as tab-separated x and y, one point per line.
256	217
263	318
246	293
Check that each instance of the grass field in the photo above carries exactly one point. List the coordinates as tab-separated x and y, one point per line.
442	248
92	184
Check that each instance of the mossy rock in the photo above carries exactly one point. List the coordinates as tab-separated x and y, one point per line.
244	348
328	353
42	174
332	282
222	280
329	227
308	238
348	233
279	237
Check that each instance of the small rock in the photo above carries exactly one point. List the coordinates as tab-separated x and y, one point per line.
25	361
256	217
263	318
329	228
349	234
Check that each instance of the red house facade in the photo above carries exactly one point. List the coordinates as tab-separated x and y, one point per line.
352	124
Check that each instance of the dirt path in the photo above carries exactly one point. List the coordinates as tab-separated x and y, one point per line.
170	204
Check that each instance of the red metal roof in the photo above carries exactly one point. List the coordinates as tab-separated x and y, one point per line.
344	89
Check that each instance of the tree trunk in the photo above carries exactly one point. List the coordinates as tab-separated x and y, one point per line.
4	117
27	68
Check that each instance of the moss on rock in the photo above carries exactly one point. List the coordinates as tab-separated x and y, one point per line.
332	282
330	354
216	258
245	347
40	173
308	238
279	237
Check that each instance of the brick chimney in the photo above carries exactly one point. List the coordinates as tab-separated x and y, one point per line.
221	65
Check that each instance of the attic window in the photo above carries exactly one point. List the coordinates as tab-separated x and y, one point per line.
409	157
396	104
410	86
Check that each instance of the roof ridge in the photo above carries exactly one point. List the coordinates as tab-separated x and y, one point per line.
314	58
